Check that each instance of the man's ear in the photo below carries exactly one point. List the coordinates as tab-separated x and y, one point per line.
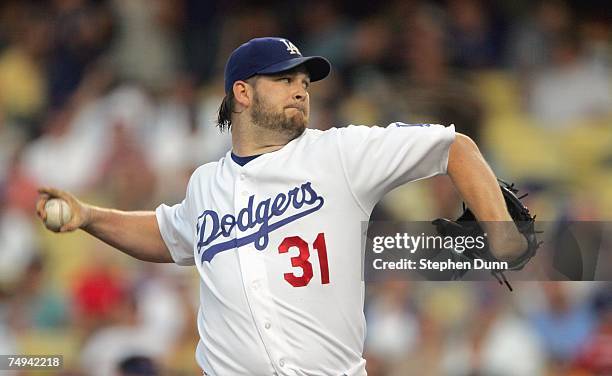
243	93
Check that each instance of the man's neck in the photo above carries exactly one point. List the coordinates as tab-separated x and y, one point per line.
248	140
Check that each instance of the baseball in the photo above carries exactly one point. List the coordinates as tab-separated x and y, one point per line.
58	213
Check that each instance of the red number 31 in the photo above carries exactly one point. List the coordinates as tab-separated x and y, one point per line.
301	260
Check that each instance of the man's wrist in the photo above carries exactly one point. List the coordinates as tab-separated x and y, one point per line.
506	243
89	214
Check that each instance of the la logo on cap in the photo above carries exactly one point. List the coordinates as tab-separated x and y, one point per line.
291	47
267	56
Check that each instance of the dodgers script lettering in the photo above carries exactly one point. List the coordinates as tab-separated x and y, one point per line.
211	226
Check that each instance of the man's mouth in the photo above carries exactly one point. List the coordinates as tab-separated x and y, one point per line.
300	108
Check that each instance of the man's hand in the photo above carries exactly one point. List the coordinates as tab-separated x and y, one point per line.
134	233
81	213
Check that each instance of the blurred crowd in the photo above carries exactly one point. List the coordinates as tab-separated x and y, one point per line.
116	102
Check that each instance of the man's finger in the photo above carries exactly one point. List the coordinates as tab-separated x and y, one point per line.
43	190
53	192
71	225
40	208
68	227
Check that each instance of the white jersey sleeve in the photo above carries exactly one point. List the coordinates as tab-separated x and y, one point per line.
175	226
377	159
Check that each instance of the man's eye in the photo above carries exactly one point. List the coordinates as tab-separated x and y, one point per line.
285	79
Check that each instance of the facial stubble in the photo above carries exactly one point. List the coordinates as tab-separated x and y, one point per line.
262	116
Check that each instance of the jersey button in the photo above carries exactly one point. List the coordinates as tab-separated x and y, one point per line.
281	362
267	325
242	176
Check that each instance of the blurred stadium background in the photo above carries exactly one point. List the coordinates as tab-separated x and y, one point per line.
116	101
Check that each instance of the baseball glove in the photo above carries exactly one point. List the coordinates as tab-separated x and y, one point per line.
467	225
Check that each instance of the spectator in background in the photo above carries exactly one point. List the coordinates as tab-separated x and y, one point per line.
8	341
207	143
368	93
128	175
162	309
429	90
12	141
596	30
84	32
99	295
495	341
147	45
19	245
19	253
572	88
201	39
246	21
144	316
595	356
138	366
181	135
72	140
327	32
424	358
35	304
392	324
476	35
105	349
563	326
532	38
23	76
61	155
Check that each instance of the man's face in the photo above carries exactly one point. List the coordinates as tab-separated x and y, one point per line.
281	102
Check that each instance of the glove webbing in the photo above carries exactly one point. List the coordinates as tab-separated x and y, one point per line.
495	273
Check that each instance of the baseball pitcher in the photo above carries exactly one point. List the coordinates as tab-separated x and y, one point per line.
274	227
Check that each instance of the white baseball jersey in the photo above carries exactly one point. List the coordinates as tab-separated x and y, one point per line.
277	244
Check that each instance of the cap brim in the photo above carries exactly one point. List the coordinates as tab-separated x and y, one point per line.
317	66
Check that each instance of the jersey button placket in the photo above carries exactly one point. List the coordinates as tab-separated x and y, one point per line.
250	270
254	270
244	184
255	278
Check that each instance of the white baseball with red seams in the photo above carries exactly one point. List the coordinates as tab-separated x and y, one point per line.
58	213
277	244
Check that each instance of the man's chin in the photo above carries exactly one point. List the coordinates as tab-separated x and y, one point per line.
296	127
297	133
299	119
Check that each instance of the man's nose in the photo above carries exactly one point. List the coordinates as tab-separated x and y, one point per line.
300	93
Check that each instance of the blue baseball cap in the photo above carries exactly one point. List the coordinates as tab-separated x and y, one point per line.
269	56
